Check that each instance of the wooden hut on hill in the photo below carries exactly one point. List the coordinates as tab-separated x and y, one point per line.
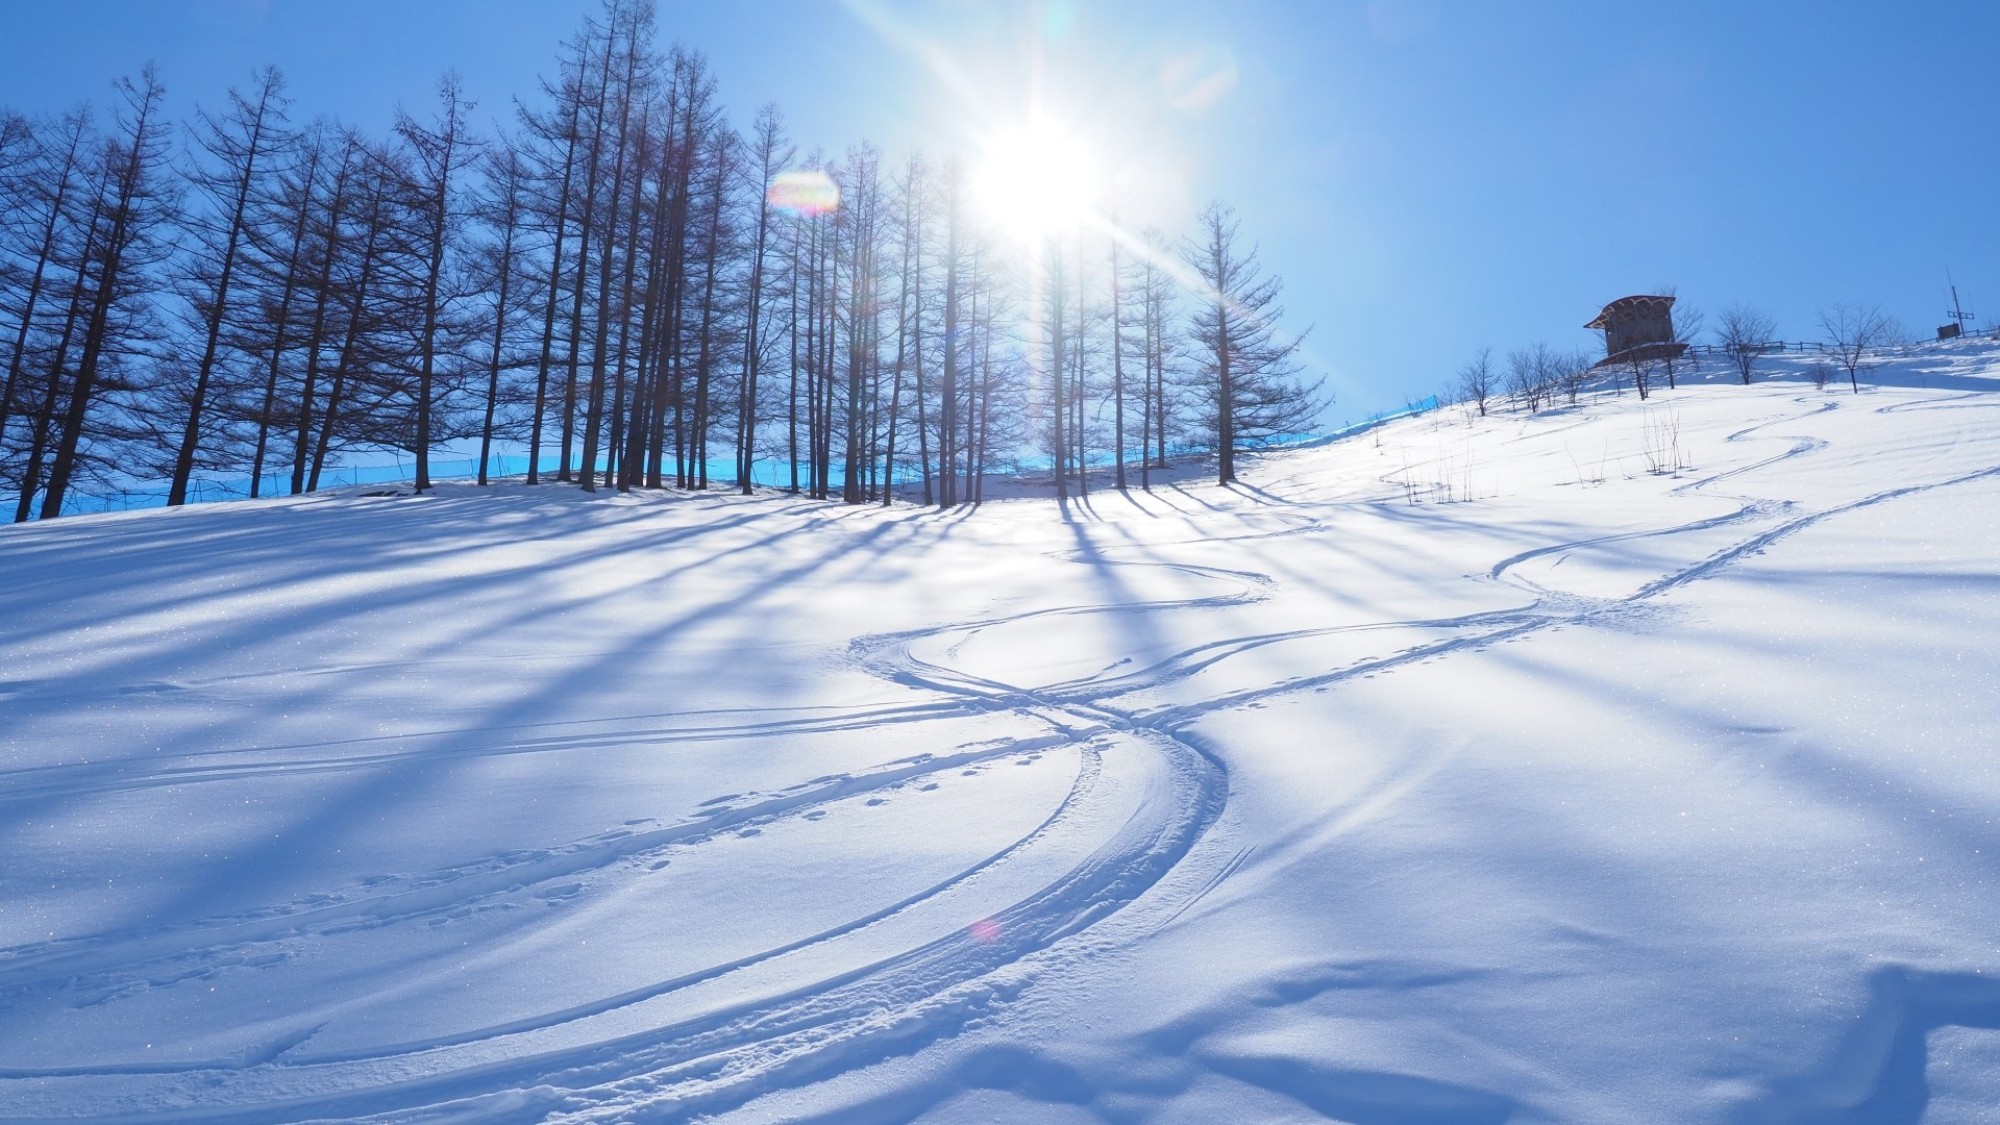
1638	328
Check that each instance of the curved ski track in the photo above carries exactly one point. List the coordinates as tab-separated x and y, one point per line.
689	1066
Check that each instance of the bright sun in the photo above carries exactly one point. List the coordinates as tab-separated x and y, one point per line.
1035	180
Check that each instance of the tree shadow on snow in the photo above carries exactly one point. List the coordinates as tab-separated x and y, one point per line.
1875	1076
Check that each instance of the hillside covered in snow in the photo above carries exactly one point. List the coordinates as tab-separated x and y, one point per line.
1619	762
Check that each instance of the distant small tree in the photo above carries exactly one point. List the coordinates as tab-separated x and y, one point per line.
1639	364
1688	326
1852	332
1742	335
1521	384
1476	380
1532	375
1572	372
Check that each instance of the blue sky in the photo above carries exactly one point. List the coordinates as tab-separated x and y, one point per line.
1426	176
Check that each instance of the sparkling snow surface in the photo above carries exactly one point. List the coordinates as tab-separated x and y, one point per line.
1465	771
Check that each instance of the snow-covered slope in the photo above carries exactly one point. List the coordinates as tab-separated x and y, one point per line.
1628	762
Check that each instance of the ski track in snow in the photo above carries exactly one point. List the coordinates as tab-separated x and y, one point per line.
802	1027
557	1063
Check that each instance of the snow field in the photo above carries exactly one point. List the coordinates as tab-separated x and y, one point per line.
1606	794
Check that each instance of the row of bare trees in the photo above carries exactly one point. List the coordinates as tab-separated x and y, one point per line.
1850	334
256	298
616	282
1537	377
1534	378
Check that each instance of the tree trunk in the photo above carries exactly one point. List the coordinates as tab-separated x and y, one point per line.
509	219
191	432
283	323
323	297
594	420
116	243
549	307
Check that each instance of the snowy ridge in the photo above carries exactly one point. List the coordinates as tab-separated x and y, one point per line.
1296	800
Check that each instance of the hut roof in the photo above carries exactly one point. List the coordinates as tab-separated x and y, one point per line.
1627	306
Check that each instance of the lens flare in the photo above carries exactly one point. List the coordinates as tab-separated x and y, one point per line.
803	193
986	930
1058	20
1199	77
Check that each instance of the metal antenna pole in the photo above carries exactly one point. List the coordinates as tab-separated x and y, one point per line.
1958	315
